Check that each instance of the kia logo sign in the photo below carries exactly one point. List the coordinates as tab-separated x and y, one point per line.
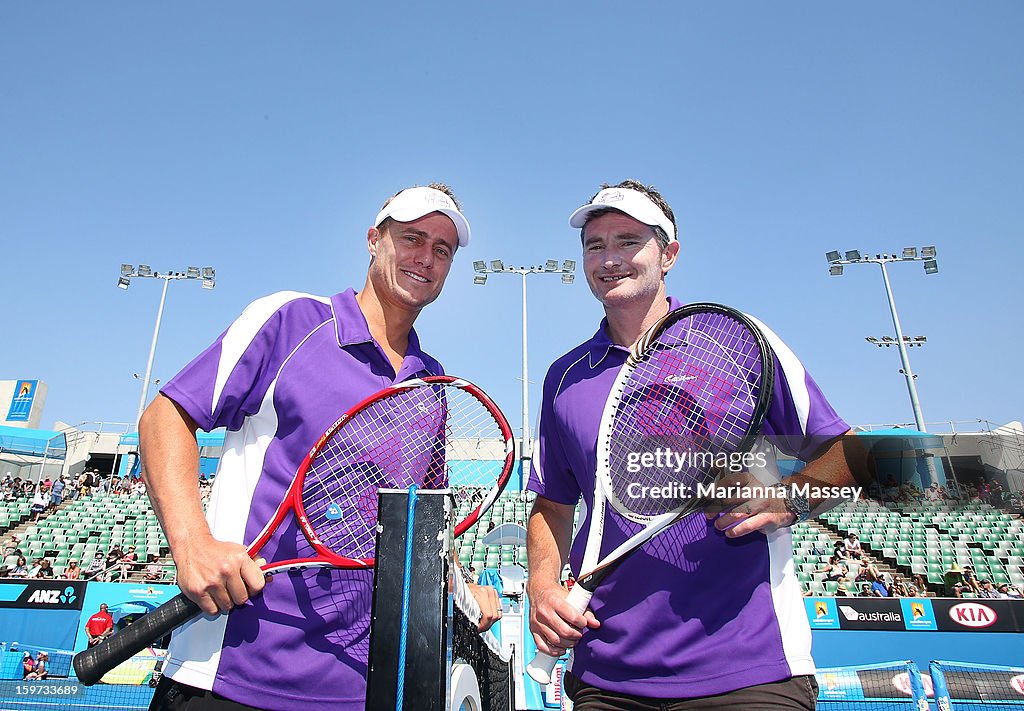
972	614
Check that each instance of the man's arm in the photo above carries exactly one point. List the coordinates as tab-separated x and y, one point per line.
214	574
555	624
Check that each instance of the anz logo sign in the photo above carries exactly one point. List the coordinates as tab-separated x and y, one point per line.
53	596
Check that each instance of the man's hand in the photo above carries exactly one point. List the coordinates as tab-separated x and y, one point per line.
490	604
738	516
217	575
555	624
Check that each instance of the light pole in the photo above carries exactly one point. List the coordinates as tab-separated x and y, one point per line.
128	272
551	266
837	261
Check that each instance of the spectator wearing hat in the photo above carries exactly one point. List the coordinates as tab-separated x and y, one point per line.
971	580
987	590
842	590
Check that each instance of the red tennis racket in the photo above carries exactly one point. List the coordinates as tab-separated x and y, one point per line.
431	432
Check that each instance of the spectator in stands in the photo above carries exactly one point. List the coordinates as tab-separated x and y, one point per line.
45	570
11	545
57	492
971	580
852	545
866	591
842	590
987	590
953	581
154	572
833	570
27	664
33	572
899	588
1007	590
114	556
20	569
921	583
39	669
879	588
39	502
100	626
127	563
95	567
72	572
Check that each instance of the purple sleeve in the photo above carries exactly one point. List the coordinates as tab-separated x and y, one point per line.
230	379
800	419
550	473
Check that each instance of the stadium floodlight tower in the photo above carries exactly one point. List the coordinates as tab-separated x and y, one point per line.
837	261
551	266
208	277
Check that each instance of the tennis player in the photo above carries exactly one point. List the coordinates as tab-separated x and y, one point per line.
708	614
276	379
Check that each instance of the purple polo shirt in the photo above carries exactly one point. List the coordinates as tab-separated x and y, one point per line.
276	379
693	613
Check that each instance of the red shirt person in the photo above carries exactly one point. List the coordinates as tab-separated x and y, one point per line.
99	626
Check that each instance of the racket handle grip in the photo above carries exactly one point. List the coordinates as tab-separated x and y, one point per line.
92	664
543	664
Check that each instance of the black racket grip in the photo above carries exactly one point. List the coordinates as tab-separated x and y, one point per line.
92	664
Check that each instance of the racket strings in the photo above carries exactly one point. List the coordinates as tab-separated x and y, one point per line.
414	436
686	407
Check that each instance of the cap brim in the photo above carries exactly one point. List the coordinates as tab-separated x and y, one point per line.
460	222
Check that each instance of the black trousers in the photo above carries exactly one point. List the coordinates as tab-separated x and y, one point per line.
172	696
800	693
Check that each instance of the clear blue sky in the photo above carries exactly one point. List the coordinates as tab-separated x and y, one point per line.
261	138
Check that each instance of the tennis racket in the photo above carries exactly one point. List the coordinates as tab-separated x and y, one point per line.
698	385
429	432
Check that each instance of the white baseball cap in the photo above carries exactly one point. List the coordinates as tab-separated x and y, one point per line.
632	202
413	203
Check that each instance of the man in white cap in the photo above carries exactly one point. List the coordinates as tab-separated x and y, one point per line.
708	615
276	379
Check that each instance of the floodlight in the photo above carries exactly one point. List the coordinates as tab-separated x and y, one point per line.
852	255
479	266
480	279
567	278
931	267
836	270
569	265
123	282
833	256
497	266
551	265
928	251
192	272
208	283
909	252
127	270
871	339
888	339
209	273
145	271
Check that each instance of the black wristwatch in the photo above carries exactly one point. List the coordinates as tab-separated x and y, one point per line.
796	504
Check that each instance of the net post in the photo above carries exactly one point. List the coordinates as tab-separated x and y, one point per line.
426	674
